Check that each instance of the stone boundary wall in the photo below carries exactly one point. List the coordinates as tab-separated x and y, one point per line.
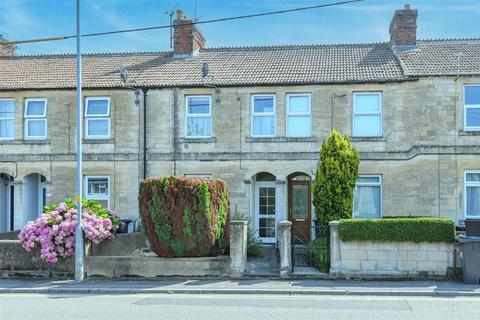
368	258
396	258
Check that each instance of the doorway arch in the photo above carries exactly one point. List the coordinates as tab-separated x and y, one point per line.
6	203
34	194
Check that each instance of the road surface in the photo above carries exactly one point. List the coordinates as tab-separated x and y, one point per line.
233	307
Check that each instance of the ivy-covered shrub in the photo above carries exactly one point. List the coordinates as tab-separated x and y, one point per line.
398	229
337	173
185	217
54	231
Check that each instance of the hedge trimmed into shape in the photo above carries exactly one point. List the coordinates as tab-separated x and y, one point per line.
398	229
185	217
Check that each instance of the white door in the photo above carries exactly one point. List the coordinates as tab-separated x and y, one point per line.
265	210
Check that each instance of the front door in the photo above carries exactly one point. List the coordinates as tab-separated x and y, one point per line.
265	209
300	209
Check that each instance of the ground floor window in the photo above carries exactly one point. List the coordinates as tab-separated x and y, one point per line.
367	201
472	194
98	188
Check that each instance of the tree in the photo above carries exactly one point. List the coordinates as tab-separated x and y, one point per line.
337	172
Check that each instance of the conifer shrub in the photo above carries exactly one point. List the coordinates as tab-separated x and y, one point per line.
185	217
337	173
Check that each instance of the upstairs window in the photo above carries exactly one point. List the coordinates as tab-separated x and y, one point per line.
35	118
367	202
263	115
7	119
472	194
97	118
298	115
199	117
472	107
98	188
367	114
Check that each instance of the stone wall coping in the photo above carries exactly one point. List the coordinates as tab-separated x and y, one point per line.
285	223
156	258
334	223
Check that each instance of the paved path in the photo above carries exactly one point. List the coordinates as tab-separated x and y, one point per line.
258	286
233	307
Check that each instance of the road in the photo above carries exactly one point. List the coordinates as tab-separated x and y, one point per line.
232	307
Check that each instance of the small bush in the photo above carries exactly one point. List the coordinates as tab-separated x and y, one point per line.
317	254
54	231
185	217
398	229
254	244
337	172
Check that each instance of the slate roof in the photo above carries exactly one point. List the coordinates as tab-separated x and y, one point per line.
244	66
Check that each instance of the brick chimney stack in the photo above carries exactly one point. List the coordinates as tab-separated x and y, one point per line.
187	38
403	29
6	50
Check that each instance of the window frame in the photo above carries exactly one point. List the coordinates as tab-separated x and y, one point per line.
369	184
298	114
263	114
35	118
12	119
369	113
103	198
465	185
97	117
198	115
469	106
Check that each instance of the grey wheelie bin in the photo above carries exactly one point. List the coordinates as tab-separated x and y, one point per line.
470	258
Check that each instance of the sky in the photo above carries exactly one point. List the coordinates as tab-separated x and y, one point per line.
361	22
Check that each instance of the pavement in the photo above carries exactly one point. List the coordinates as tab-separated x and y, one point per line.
251	286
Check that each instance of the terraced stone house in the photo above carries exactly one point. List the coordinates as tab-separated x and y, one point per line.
253	116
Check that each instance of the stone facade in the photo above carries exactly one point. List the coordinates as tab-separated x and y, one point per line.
421	155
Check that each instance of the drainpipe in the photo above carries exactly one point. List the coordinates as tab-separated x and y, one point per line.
145	94
175	132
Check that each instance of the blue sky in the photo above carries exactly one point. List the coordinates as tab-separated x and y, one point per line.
365	21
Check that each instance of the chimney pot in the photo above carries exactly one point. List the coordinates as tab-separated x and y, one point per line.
180	15
407	6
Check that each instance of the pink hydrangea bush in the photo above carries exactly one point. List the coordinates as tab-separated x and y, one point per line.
54	230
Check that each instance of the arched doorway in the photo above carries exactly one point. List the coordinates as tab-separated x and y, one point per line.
6	203
33	196
265	206
300	205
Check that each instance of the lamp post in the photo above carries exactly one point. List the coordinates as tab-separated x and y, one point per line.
79	246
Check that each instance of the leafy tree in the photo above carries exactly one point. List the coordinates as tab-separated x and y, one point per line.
337	172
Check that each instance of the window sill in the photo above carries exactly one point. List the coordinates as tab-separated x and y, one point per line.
98	141
280	139
367	139
469	132
25	141
198	140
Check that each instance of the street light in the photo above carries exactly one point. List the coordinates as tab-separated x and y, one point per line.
79	246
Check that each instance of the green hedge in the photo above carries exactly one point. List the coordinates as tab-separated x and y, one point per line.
185	217
398	229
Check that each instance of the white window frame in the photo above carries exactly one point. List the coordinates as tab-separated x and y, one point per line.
370	184
97	117
465	185
369	113
35	118
198	115
12	118
469	106
299	114
98	197
264	114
